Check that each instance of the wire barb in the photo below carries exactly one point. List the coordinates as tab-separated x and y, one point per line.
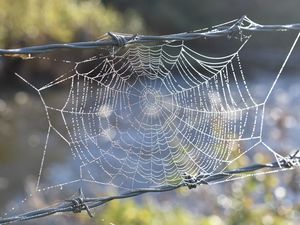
235	30
291	161
78	204
190	181
120	40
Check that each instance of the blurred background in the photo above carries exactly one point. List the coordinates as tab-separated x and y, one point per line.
262	200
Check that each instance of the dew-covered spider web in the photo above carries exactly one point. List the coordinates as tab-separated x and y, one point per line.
145	115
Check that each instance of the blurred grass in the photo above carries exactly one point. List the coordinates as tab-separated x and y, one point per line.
240	207
32	22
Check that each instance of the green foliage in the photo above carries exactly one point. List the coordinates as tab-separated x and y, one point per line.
27	22
129	213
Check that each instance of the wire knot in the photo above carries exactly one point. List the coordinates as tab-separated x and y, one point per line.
235	30
78	204
291	161
190	181
120	40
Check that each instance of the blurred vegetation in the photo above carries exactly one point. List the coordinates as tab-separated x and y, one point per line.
129	212
32	22
35	22
240	207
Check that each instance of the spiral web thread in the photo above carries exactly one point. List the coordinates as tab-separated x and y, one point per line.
154	115
147	117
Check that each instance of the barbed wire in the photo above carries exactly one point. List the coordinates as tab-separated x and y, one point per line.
235	28
81	203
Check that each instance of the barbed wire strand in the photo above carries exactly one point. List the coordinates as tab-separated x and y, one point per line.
244	24
81	203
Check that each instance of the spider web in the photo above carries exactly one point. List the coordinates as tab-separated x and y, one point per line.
147	114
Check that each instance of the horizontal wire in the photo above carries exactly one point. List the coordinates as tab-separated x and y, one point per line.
80	203
114	39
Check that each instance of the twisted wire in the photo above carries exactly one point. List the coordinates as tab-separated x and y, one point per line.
244	24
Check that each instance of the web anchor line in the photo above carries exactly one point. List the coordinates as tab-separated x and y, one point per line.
81	203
